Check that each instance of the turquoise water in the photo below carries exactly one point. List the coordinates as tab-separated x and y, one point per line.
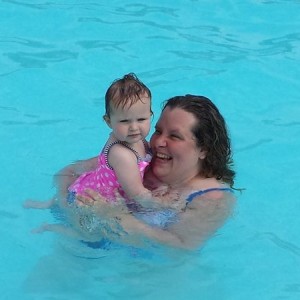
56	61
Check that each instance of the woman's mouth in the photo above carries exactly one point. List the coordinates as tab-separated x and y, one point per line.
163	156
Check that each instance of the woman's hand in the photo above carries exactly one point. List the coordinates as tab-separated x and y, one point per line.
94	217
89	199
100	204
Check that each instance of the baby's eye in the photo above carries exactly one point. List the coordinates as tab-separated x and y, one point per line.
123	121
141	119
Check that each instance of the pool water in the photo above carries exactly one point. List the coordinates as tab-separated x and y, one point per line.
56	61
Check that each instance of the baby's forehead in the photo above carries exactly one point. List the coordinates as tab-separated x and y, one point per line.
126	103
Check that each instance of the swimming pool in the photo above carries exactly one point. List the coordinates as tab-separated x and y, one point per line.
57	59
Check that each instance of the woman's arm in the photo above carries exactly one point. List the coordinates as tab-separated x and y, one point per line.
139	233
202	218
194	226
136	231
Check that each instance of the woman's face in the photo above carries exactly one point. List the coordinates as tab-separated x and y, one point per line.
176	158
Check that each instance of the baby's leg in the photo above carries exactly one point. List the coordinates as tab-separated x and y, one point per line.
57	228
39	204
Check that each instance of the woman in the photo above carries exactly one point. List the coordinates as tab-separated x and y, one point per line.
192	155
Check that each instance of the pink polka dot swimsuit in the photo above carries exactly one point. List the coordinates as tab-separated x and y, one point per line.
104	179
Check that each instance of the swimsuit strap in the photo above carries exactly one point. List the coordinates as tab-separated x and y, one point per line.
107	148
147	147
191	197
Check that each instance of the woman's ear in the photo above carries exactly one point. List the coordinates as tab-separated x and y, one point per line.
202	154
107	120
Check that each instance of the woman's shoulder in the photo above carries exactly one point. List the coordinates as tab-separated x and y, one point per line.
218	201
209	193
209	188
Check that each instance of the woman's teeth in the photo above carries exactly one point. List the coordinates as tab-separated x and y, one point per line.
162	156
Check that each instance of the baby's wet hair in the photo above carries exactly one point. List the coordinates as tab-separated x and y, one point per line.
125	91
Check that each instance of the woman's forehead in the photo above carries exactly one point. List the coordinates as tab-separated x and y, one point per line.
176	119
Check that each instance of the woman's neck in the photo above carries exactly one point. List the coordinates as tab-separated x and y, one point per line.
150	181
196	183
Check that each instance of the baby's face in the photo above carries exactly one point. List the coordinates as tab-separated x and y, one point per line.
131	123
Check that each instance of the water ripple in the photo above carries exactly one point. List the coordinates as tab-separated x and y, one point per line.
219	56
255	145
9	73
233	47
282	243
292	288
281	124
277	1
279	45
141	10
42	59
26	42
9	108
7	215
105	45
220	46
37	123
138	22
36	6
47	5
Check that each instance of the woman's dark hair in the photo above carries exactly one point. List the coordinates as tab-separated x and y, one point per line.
128	88
211	135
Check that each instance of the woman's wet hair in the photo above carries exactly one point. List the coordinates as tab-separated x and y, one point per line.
211	135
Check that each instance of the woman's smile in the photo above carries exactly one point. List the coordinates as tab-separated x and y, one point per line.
163	156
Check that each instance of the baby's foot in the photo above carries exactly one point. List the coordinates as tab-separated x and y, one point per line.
42	228
38	204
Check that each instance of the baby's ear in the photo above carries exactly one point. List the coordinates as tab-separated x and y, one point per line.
107	120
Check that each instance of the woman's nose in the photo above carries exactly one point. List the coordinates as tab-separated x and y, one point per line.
160	141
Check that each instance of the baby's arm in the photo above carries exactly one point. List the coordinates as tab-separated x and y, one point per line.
124	163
